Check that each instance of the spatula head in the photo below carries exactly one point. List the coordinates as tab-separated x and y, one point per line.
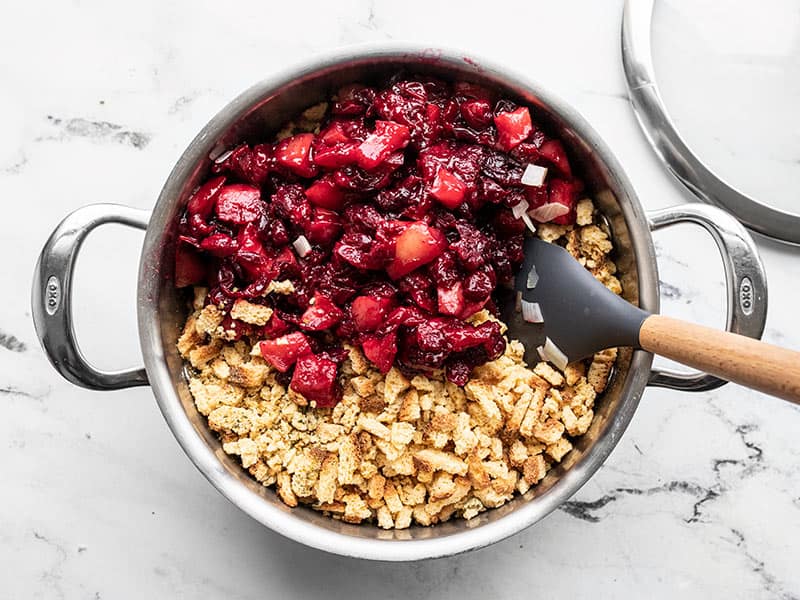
581	316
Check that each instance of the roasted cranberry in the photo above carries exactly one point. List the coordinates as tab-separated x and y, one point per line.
250	165
291	203
477	113
444	269
362	217
471	247
420	289
478	286
276	233
362	251
502	168
353	100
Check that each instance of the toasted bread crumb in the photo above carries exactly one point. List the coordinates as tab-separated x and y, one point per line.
397	451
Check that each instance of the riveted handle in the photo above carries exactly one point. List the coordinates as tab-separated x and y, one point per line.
52	296
745	279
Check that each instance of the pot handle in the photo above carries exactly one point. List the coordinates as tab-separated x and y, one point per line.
745	280
52	296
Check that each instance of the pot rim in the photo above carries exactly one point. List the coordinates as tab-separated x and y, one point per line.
292	525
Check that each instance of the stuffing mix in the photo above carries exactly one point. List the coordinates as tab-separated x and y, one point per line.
342	339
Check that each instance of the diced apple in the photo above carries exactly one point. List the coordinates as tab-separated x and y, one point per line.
417	245
294	153
315	379
553	152
564	193
381	350
321	314
325	226
282	352
448	189
451	299
239	203
203	200
370	312
385	139
326	194
513	127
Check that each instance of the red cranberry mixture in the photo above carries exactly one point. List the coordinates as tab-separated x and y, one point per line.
394	224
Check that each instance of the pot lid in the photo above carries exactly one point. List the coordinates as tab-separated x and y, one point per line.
717	62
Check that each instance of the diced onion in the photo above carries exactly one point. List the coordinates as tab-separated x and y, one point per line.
223	157
527	220
520	208
218	153
532	312
547	212
302	246
534	175
552	353
533	278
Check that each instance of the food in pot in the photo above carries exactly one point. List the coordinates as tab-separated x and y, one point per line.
343	341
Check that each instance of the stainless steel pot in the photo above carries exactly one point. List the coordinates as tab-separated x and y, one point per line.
255	115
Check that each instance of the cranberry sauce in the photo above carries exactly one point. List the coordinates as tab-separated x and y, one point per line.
395	223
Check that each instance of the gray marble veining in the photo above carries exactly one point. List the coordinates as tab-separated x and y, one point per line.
700	499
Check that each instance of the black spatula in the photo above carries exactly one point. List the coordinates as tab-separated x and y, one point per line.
581	316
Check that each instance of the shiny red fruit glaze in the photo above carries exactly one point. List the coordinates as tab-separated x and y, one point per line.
405	198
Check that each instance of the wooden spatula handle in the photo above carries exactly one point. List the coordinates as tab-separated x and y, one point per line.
737	358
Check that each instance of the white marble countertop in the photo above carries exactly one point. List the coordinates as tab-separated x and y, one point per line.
701	497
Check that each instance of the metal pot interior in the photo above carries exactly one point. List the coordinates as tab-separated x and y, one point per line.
256	116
